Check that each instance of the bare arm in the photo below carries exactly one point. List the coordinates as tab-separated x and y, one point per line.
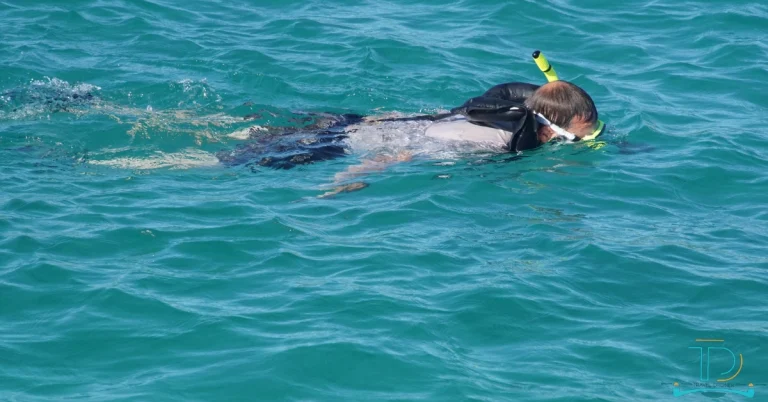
375	164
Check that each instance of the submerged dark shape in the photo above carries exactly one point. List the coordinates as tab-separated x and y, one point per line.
628	148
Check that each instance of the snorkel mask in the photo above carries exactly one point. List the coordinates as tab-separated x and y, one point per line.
565	134
551	75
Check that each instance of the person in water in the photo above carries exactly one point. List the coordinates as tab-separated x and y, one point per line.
524	116
565	105
512	117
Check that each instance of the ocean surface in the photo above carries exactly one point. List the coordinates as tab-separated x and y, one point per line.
136	267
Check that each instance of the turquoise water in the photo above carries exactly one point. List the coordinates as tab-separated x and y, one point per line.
132	267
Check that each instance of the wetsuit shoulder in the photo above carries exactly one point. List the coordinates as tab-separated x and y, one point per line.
496	101
502	107
512	91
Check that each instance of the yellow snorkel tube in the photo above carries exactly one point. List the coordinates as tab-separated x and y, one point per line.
551	75
544	66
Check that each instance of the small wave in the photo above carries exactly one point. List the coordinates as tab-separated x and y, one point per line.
196	92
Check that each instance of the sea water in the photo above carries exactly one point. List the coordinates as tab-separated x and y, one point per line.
135	267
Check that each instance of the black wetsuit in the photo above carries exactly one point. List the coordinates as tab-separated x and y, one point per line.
288	147
323	139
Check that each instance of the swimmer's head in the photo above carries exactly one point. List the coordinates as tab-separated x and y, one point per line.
565	105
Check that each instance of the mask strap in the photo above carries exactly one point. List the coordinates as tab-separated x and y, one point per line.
557	129
597	132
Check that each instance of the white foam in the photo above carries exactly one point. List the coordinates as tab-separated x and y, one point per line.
40	97
56	83
187	159
245	133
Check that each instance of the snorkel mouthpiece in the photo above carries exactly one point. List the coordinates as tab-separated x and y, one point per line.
544	66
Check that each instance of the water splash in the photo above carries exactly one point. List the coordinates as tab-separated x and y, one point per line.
46	96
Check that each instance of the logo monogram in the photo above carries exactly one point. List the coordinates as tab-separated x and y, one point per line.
722	385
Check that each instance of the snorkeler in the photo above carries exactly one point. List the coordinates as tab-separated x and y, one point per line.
519	116
510	117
